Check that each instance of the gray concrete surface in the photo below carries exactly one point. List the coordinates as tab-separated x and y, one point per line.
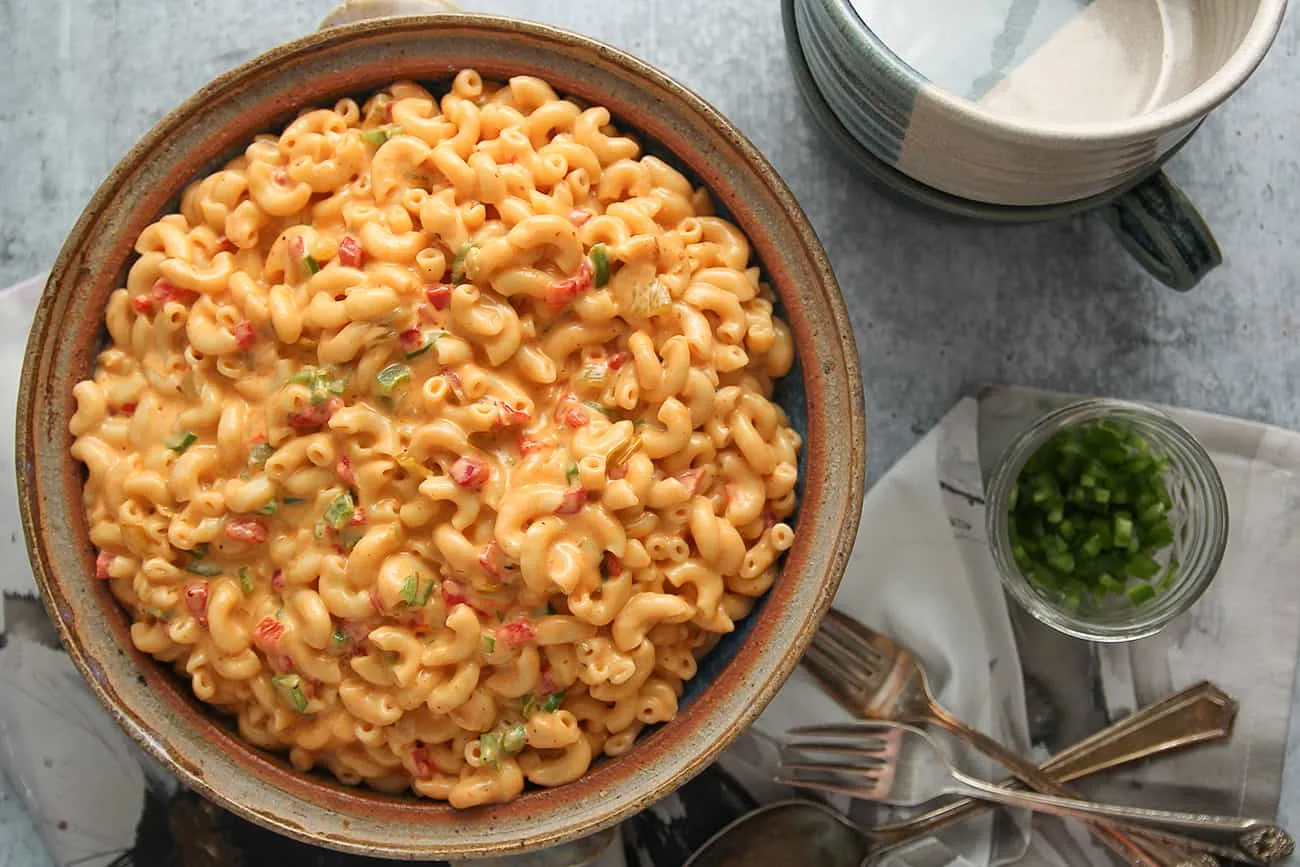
939	307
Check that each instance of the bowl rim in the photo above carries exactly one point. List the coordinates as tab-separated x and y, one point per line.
844	384
1196	103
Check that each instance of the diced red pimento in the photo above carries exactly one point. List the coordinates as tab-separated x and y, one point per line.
358	516
511	415
411	339
690	479
163	292
613	565
572	502
225	245
452	593
258	438
439	296
102	564
491	559
251	530
616	360
616	471
562	292
350	252
315	416
516	633
267	634
127	408
569	414
469	472
422	767
345	472
196	600
280	176
245	334
529	444
546	682
277	579
579	216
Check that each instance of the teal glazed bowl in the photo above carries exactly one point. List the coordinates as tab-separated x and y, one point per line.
1025	140
823	397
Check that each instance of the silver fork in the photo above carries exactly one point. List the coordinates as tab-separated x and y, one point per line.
875	677
903	766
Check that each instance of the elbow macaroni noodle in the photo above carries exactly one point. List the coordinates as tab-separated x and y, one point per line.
434	439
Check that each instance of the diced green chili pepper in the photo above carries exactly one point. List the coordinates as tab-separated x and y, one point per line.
553	702
410	589
459	265
391	377
182	441
339	638
245	580
514	740
571	473
269	510
603	410
206	568
340	511
425	592
289	686
489	746
600	265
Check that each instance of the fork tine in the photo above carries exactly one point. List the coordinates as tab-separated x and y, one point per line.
832	675
858	729
855	637
870	749
870	771
830	788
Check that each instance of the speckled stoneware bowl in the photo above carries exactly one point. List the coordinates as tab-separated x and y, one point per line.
823	397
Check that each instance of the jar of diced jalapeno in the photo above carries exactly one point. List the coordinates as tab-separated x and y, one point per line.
1106	519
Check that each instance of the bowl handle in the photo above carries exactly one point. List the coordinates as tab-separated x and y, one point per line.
1161	228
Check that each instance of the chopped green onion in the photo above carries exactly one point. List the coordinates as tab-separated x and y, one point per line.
245	580
309	262
294	501
289	686
349	536
269	510
206	568
489	746
319	530
553	702
259	454
460	266
425	592
339	638
603	410
379	135
571	473
514	740
600	265
489	644
305	376
182	441
416	353
410	589
340	511
391	377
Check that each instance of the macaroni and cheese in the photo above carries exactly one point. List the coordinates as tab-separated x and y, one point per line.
434	441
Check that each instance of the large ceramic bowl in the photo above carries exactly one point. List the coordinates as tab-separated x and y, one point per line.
823	397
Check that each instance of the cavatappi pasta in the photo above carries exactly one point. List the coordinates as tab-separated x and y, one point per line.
434	439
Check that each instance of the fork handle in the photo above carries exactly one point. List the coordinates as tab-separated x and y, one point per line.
1134	851
1199	714
1254	839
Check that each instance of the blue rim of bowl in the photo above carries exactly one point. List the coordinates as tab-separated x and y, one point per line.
912	191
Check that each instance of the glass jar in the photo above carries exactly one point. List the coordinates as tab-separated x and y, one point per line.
1198	515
